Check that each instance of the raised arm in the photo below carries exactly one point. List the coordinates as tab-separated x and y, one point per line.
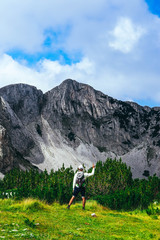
90	174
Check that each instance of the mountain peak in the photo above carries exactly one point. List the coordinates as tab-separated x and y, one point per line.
24	100
71	84
69	81
74	123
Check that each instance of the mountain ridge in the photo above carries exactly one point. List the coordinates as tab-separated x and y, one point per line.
74	123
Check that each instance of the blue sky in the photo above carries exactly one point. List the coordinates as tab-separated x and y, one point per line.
112	45
154	6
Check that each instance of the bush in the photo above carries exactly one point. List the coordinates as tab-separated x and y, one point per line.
110	176
112	186
128	199
138	195
153	210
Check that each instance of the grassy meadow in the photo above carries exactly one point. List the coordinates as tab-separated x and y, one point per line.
33	219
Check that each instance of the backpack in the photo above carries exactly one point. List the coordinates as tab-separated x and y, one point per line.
80	179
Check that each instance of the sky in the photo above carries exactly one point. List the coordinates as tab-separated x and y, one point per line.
112	45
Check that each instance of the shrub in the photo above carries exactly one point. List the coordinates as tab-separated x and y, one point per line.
112	186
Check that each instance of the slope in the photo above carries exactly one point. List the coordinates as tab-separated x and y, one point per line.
32	219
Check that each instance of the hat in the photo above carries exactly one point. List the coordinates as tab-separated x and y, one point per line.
80	167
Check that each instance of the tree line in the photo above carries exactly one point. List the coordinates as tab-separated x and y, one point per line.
112	186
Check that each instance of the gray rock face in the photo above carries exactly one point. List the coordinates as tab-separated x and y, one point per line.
9	156
26	101
73	123
93	117
15	141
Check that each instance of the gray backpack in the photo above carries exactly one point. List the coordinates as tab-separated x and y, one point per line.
80	179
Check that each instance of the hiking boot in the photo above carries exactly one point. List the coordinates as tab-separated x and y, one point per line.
83	208
68	207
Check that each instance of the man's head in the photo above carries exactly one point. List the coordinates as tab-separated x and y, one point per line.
80	168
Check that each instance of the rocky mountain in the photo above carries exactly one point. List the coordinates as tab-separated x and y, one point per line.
73	123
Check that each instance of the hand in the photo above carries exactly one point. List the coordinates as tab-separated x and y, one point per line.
93	165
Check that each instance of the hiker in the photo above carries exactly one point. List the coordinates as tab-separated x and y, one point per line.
79	184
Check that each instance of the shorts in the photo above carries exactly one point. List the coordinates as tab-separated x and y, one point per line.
77	190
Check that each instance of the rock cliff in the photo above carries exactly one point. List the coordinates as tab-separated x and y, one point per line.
10	136
73	123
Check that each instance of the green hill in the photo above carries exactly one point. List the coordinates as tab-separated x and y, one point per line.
33	219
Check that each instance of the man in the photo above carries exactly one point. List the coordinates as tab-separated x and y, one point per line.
79	184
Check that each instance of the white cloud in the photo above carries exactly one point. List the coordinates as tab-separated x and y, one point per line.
23	23
118	40
49	74
13	72
125	35
46	75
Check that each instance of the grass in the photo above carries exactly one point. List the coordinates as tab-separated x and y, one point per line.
33	219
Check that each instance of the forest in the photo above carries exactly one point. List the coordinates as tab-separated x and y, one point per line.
112	186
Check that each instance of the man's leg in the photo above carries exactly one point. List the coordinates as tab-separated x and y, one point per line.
83	190
76	191
71	200
83	202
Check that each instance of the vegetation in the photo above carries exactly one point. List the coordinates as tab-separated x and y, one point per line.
112	186
130	209
34	219
55	186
